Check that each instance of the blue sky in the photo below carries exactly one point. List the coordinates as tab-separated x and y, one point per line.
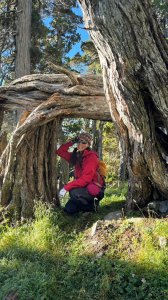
77	47
83	33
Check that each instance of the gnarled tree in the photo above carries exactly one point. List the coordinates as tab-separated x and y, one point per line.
134	59
27	165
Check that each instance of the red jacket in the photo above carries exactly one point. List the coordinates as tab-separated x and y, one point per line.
85	174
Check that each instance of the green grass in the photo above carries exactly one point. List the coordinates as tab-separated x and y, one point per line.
54	257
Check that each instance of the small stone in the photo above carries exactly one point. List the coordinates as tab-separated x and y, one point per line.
162	241
115	215
143	280
99	254
94	242
94	228
135	220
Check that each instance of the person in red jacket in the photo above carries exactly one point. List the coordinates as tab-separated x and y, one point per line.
87	184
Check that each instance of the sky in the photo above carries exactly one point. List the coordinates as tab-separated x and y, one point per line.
83	33
76	48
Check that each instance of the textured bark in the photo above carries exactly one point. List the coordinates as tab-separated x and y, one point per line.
3	135
134	60
28	164
3	141
84	100
22	65
123	170
30	170
1	117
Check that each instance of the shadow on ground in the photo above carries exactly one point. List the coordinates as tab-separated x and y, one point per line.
33	274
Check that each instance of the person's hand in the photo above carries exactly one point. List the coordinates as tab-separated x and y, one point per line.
62	193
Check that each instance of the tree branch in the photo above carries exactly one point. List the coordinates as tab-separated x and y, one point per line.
72	77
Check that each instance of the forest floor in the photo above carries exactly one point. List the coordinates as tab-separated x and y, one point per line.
58	257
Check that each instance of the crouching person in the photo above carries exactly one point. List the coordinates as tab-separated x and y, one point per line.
87	188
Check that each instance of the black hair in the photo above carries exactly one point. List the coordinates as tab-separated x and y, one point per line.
77	157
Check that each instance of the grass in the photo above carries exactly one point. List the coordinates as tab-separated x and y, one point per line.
55	257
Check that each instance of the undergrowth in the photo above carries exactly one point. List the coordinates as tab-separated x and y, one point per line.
50	257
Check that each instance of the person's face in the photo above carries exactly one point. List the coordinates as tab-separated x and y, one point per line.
82	145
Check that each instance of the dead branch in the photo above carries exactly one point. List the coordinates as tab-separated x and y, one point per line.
73	78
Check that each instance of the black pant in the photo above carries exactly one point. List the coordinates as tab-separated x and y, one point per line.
80	200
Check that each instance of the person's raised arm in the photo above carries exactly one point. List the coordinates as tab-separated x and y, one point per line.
62	151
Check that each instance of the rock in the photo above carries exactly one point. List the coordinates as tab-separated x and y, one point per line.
115	215
162	241
135	220
99	254
159	206
94	227
12	296
163	207
94	242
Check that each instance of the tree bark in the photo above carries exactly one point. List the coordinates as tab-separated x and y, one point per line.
3	135
23	41
1	117
30	171
85	100
134	60
28	164
23	38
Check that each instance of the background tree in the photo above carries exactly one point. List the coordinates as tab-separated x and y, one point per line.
16	53
161	7
8	15
89	60
39	35
133	57
59	36
23	38
48	41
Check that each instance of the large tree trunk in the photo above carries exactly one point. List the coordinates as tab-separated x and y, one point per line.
134	60
28	164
